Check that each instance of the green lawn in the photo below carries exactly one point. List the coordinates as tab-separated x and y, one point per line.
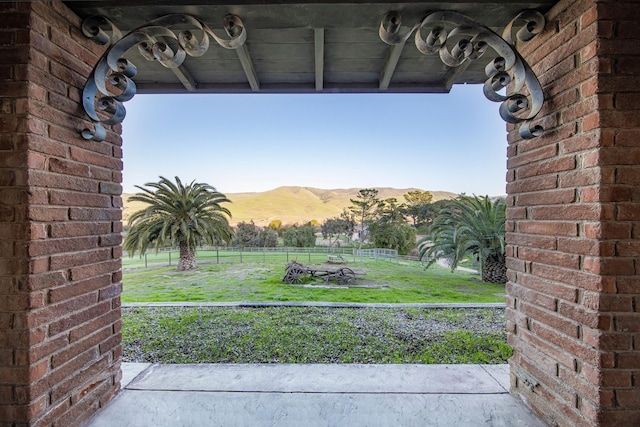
383	282
314	335
311	334
268	255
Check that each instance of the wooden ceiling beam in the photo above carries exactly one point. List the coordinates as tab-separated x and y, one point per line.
390	65
247	66
454	73
319	58
185	78
181	72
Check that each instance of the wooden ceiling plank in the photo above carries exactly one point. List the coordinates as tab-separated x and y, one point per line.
281	43
319	58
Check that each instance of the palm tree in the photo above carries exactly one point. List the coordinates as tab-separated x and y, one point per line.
469	225
180	215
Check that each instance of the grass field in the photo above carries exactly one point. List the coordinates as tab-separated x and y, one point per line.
314	335
379	281
310	334
268	255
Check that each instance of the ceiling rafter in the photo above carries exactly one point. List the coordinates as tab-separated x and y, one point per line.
185	78
395	51
181	72
318	38
247	67
453	74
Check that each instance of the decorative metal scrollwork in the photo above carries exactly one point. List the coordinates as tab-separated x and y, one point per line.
458	39
110	83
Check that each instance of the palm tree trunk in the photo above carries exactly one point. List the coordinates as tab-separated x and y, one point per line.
494	269
187	259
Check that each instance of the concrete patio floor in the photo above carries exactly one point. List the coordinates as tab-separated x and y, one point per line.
314	395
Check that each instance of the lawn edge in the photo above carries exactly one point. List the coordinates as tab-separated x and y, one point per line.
313	304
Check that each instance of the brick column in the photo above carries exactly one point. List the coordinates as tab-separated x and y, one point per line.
60	342
574	222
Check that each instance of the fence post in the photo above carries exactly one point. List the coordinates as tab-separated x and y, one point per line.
217	256
169	258
240	255
287	255
145	260
309	255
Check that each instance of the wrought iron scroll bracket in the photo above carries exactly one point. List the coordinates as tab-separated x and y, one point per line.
110	84
458	39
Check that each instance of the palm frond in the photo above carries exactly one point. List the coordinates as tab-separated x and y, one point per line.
468	225
178	214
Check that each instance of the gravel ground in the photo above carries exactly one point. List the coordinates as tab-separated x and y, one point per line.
314	335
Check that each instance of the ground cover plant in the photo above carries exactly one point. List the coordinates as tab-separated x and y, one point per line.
313	335
383	282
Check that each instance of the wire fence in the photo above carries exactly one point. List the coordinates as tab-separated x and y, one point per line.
212	255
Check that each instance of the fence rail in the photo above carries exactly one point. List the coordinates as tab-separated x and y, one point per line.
205	254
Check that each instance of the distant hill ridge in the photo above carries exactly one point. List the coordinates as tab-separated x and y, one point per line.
291	204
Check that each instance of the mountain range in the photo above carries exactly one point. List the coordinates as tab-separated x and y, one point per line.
291	204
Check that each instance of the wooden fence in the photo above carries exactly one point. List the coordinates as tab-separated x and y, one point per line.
169	256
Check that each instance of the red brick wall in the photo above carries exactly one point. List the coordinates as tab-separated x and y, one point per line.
60	342
574	222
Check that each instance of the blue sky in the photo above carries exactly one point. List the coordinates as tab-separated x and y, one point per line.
452	142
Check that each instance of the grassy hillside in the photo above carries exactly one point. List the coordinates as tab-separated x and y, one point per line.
292	204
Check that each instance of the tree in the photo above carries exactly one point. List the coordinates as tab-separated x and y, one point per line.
417	205
398	235
349	221
247	235
390	229
333	227
390	210
180	215
364	209
300	236
268	238
276	225
469	225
